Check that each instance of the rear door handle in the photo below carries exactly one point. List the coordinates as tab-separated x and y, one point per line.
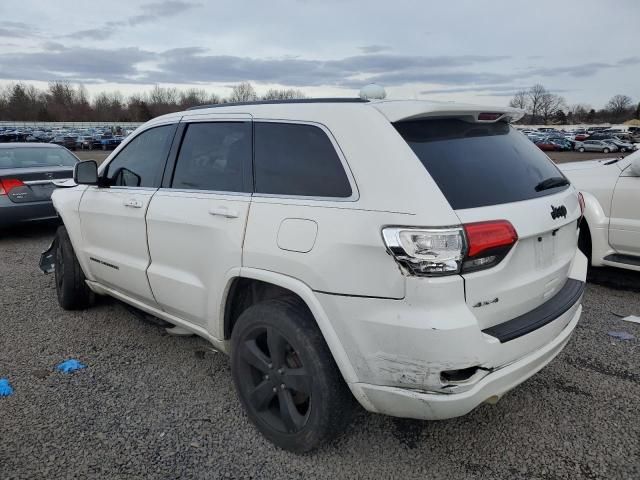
223	212
132	202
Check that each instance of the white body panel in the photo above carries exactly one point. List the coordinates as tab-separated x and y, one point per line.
612	196
391	334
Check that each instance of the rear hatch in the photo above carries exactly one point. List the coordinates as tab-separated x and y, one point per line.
27	173
488	171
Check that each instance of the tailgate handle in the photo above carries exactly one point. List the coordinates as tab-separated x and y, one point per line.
132	202
223	212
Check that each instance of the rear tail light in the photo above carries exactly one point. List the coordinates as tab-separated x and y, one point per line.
489	243
7	184
450	250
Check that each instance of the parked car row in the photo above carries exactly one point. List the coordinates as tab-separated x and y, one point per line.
89	139
595	140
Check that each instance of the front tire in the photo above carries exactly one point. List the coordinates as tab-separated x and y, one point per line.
606	150
71	288
286	378
581	149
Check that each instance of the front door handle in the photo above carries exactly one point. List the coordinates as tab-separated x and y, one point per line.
132	202
223	212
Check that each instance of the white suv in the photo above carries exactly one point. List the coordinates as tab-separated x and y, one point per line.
418	257
610	231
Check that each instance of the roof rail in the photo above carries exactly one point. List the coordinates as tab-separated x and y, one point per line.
275	102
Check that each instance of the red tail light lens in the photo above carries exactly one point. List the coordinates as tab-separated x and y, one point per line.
7	184
488	243
484	236
489	116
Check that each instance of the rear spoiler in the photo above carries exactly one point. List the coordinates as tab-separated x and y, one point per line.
403	110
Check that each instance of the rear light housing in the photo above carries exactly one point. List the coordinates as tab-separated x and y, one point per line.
8	184
431	252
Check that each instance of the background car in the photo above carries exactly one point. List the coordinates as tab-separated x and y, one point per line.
27	173
595	146
620	145
65	141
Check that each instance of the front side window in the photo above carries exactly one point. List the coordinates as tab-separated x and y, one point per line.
215	156
294	159
141	162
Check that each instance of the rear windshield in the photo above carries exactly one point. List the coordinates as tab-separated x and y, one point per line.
476	165
36	157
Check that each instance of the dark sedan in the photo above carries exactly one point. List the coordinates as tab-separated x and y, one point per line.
27	172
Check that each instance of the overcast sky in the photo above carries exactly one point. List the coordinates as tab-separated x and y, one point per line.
477	51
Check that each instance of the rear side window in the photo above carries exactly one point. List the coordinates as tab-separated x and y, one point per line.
294	159
215	156
476	165
36	157
141	161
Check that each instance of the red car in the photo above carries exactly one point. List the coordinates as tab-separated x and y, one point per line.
581	136
547	146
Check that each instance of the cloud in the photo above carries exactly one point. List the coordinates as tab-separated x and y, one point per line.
150	13
374	48
75	64
17	29
584	70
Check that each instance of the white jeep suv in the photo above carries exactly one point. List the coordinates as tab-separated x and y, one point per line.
610	231
418	257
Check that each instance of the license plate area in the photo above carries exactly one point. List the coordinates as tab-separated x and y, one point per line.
546	248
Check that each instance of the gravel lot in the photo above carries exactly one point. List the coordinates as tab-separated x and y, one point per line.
151	405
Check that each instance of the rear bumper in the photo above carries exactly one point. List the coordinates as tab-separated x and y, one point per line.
406	403
14	213
426	357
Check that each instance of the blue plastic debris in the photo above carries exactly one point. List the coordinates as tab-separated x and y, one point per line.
5	387
621	335
70	365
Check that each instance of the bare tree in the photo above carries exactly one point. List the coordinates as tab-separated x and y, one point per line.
578	112
283	94
619	104
549	105
243	92
520	100
535	95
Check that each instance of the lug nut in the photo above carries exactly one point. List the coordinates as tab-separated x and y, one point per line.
281	371
275	389
283	386
266	377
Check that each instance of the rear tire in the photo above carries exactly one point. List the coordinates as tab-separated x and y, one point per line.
71	288
286	378
606	150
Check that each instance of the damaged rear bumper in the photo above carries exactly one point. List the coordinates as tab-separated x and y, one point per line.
48	259
411	403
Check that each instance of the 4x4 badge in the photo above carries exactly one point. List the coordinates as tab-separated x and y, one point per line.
557	212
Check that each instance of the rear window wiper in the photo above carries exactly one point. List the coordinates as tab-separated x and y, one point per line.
551	182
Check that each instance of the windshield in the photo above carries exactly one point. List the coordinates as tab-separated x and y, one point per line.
36	157
480	164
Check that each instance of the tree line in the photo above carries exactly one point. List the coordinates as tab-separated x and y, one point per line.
64	102
545	107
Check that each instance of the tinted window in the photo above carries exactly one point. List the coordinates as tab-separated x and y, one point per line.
295	159
141	162
36	157
479	164
215	156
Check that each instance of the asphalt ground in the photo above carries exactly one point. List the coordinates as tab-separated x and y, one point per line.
150	405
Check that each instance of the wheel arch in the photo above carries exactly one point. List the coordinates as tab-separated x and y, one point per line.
597	222
276	284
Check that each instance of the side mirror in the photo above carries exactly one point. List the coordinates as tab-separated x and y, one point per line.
635	165
86	173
